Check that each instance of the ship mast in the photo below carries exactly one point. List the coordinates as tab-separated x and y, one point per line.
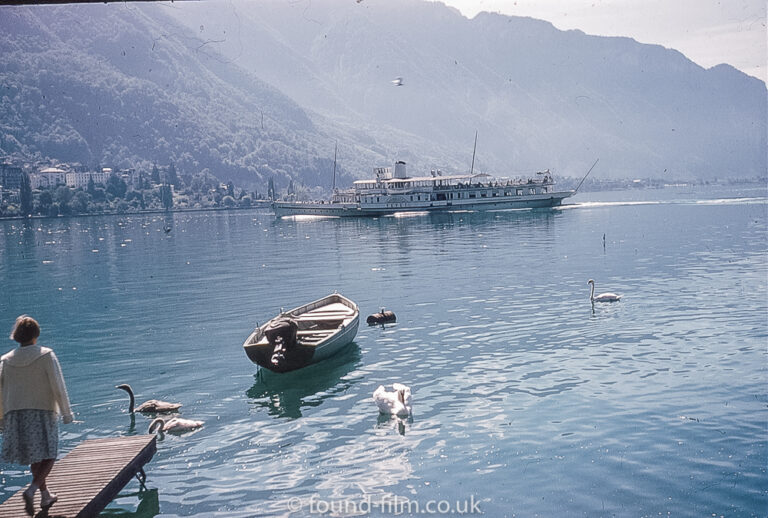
336	147
472	169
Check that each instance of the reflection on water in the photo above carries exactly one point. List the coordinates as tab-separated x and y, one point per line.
285	395
547	405
132	426
149	505
401	424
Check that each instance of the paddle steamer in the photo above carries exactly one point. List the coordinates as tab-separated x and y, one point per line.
390	192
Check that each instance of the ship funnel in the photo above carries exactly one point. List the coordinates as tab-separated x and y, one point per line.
400	169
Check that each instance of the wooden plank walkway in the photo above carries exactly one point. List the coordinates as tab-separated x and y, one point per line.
89	477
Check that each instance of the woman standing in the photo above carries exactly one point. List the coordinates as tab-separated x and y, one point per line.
32	393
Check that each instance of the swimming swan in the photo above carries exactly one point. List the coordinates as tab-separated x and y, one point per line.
153	405
397	403
174	424
603	297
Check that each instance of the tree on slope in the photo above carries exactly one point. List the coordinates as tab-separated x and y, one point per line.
25	195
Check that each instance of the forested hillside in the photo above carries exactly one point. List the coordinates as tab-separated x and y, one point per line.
249	91
117	87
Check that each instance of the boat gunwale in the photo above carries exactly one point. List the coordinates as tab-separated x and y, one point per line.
353	321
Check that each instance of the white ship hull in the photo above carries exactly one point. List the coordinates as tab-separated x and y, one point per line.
389	194
285	208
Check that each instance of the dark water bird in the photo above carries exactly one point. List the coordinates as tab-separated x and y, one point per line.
382	317
150	406
603	297
174	424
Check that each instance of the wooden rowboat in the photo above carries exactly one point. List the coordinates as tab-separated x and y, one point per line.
304	335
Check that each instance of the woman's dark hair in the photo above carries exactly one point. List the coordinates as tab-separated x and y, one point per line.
25	329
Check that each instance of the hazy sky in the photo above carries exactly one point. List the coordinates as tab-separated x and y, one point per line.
708	32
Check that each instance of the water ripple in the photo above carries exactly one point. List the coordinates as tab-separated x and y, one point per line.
526	397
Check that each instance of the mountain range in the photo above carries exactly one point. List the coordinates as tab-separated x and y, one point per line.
258	90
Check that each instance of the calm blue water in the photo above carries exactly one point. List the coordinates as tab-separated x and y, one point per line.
527	401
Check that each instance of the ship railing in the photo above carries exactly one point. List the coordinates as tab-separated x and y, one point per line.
371	190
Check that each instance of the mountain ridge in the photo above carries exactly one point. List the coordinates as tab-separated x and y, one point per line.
513	69
258	91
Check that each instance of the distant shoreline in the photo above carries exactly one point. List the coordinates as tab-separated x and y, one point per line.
596	187
256	205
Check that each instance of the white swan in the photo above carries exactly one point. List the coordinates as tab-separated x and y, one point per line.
153	405
174	424
397	403
603	297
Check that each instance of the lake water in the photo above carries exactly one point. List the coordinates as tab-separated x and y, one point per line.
528	401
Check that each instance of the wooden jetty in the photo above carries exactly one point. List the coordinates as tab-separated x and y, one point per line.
89	477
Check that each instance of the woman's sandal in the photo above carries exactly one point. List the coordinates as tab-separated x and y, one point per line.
45	504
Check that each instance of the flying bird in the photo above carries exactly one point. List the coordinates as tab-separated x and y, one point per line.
398	81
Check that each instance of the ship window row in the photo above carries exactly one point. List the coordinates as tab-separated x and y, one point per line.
459	195
441	185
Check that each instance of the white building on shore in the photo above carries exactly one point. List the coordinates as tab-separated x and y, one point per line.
80	180
53	177
48	177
